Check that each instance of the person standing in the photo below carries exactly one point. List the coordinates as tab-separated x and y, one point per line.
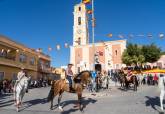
69	76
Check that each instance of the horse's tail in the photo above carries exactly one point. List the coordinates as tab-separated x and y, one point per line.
51	92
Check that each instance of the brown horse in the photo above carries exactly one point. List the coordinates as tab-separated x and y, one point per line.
59	86
125	82
133	80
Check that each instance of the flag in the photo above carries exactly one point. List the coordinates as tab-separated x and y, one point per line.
140	35
49	49
2	50
58	47
120	36
150	35
17	50
8	50
161	35
66	45
130	36
39	50
89	11
110	35
86	1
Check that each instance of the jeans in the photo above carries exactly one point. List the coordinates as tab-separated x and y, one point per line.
69	78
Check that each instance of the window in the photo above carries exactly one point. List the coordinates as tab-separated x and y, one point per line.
115	52
79	41
32	61
79	8
22	58
47	64
3	53
79	20
14	76
2	74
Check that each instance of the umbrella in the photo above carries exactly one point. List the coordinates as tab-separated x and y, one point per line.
155	71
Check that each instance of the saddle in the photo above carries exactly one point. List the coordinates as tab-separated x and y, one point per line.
128	78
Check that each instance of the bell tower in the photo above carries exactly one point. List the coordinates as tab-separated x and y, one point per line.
80	28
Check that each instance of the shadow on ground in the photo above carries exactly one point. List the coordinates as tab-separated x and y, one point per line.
85	102
4	102
34	102
153	102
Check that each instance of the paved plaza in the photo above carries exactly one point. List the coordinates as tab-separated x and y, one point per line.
112	101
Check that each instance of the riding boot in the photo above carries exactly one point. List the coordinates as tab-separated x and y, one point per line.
71	89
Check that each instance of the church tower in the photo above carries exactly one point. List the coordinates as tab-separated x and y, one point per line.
80	28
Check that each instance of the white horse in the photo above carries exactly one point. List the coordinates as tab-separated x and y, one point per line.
162	89
20	88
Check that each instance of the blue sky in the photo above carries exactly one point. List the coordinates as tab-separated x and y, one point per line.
44	23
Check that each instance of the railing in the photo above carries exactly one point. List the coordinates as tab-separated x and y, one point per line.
8	57
44	69
13	63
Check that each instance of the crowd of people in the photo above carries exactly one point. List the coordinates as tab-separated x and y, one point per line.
100	80
7	86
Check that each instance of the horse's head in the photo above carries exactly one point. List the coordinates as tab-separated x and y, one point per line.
26	81
85	77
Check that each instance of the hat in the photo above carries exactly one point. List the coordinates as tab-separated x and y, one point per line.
22	68
70	64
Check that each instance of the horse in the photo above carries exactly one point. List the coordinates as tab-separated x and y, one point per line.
122	79
125	82
162	89
20	88
59	86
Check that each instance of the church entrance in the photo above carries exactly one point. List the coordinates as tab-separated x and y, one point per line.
98	67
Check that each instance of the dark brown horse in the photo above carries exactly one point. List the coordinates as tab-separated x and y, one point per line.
59	86
133	80
125	82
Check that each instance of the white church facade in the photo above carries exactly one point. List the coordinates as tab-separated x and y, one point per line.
86	56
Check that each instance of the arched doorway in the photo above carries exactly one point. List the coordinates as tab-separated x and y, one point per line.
98	67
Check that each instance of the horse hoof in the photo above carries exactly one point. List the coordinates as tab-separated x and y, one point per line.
17	110
60	108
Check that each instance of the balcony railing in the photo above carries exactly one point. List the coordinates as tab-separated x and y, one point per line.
44	69
8	57
13	63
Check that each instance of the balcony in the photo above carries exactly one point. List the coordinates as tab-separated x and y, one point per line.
8	61
44	69
11	62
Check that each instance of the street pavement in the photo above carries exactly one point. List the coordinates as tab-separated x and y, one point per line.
111	101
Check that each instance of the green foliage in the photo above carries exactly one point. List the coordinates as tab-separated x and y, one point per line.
137	55
151	53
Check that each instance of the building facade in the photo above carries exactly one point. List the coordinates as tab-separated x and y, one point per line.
86	56
14	56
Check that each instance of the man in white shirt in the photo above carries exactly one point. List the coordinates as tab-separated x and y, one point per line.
21	74
69	76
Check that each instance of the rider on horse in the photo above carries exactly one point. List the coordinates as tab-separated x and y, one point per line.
129	75
69	76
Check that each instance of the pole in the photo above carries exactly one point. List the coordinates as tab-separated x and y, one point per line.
93	34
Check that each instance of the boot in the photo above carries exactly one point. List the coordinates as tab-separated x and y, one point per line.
71	90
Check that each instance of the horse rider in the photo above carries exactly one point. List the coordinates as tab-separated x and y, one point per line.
21	74
69	76
129	75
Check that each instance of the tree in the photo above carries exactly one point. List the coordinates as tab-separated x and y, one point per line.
151	53
133	55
